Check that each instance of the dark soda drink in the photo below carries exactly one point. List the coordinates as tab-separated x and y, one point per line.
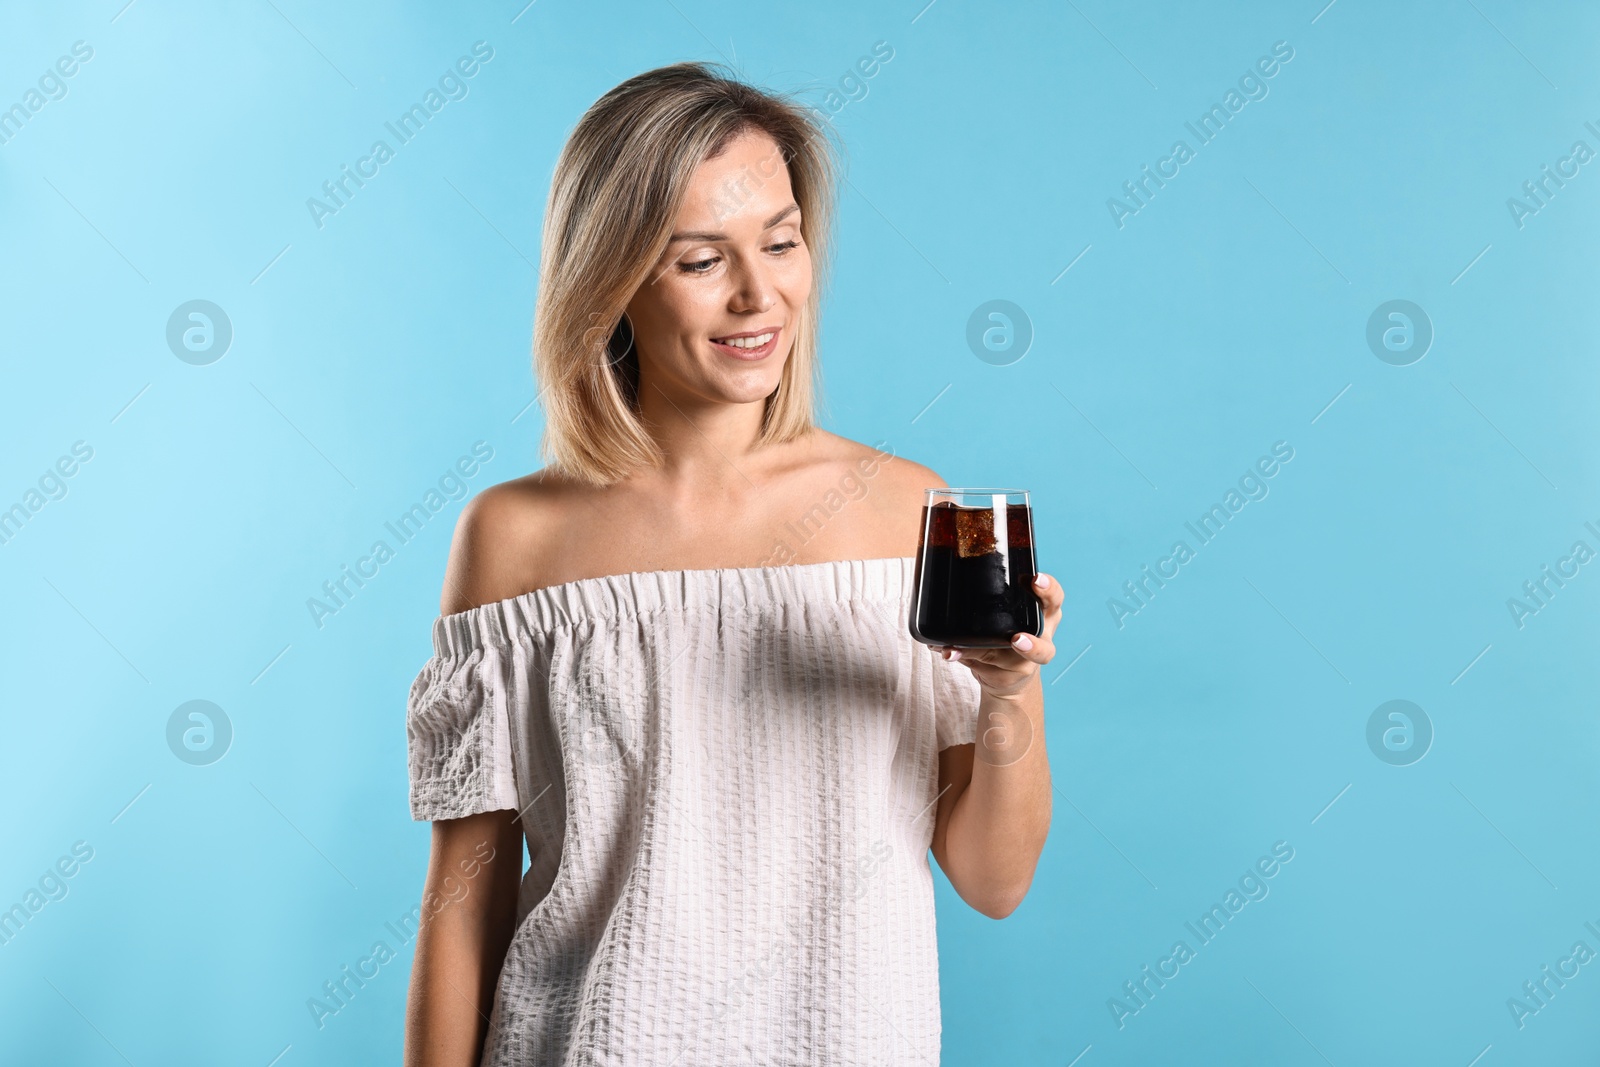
974	573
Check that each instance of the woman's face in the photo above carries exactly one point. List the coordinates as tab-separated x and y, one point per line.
717	319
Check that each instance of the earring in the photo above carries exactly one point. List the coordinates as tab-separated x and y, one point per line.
627	345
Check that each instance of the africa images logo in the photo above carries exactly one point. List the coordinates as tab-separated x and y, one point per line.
452	85
1252	84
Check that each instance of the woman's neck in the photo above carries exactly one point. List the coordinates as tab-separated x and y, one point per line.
703	441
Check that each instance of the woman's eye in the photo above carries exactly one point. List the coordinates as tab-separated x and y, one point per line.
702	266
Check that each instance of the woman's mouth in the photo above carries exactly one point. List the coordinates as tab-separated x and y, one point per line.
749	345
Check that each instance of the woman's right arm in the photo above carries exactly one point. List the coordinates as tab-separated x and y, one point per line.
463	935
469	904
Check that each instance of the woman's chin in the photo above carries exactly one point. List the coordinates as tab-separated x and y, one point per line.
751	386
733	385
752	396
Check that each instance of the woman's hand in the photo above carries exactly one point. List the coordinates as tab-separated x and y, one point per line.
1007	672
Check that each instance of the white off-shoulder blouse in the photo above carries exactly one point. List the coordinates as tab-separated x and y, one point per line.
727	782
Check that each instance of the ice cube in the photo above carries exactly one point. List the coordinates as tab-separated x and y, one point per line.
974	532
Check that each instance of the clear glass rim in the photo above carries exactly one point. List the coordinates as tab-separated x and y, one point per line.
982	490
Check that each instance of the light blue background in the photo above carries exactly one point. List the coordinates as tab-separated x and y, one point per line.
1223	317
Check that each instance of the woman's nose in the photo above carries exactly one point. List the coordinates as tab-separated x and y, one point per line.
753	288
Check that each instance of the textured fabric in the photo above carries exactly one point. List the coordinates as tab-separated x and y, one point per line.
727	782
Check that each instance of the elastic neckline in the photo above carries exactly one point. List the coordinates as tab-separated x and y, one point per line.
635	593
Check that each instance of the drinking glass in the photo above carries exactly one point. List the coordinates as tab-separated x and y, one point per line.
975	569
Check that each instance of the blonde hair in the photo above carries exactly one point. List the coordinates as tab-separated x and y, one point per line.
614	199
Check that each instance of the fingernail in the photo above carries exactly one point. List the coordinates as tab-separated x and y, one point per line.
1023	642
955	653
1042	581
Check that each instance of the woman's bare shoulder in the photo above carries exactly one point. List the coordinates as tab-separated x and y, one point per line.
898	475
891	488
871	460
501	538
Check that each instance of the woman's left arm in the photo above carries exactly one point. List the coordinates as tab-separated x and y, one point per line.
994	795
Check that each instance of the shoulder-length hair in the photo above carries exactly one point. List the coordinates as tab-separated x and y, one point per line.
614	199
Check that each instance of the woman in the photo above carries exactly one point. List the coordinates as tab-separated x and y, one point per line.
728	772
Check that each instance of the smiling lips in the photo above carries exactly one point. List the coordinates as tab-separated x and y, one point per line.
751	344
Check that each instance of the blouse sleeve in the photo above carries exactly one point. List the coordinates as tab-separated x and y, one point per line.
955	700
457	736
